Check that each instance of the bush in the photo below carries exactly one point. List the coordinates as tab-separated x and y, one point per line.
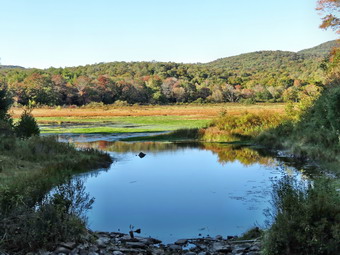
60	217
27	126
306	219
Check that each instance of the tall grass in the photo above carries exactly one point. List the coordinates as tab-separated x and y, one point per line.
28	170
306	219
247	125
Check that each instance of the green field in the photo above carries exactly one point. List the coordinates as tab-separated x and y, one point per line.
118	124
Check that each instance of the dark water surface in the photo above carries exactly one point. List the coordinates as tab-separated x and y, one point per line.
181	190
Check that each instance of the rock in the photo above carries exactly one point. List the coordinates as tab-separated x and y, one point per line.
254	248
175	247
148	240
157	252
62	250
221	247
117	253
203	253
69	245
40	253
253	253
135	245
181	241
218	237
93	248
128	250
190	253
127	238
245	246
83	252
141	155
102	242
93	253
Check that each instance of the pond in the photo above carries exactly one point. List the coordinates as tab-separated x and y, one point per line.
180	190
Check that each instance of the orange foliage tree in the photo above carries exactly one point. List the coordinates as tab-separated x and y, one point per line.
330	9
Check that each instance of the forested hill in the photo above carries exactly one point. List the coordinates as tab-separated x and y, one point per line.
273	76
321	50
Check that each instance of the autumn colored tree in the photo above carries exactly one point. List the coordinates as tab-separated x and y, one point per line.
81	84
330	9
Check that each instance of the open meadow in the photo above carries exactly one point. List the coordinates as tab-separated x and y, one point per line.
114	119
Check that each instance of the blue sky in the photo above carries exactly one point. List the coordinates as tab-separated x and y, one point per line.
44	33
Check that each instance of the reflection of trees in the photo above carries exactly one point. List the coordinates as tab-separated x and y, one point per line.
122	147
231	153
226	153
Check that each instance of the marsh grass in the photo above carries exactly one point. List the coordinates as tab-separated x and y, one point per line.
306	218
186	134
116	124
245	126
29	169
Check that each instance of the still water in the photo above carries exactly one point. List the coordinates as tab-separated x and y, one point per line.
180	190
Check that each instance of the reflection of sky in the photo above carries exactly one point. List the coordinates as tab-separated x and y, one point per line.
179	193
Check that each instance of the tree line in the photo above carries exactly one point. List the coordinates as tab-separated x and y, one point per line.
267	76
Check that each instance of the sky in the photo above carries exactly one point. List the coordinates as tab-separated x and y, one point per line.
59	33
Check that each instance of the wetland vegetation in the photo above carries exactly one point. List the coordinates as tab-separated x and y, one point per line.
209	166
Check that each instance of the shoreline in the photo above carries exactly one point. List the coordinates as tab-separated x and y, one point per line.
119	243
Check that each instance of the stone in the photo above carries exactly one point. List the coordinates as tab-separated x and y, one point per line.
117	253
253	253
245	246
221	247
203	253
128	250
127	238
218	237
69	245
40	253
135	245
93	253
254	248
62	250
148	240
83	252
141	155
93	248
181	242
175	247
157	251
102	242
191	253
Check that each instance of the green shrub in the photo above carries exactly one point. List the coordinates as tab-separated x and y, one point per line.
27	126
306	219
60	217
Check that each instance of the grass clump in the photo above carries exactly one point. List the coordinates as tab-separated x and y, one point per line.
29	169
306	219
245	126
58	217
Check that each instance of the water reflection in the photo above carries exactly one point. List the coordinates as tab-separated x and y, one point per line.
225	152
182	190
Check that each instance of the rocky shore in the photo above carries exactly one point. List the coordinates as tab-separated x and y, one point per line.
115	243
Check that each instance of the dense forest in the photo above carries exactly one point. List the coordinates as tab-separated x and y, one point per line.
264	76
